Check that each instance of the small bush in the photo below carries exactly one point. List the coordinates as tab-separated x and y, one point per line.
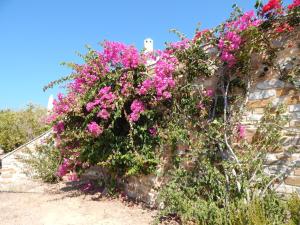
293	205
270	209
43	162
260	211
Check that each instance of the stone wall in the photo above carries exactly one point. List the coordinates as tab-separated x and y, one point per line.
269	89
266	88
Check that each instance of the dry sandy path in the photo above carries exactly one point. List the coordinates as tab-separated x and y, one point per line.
60	209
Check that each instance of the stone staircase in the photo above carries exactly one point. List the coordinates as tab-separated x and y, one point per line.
12	171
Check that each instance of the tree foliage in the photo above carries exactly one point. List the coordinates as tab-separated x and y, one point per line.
18	127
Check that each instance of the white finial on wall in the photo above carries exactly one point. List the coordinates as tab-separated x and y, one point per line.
148	45
50	103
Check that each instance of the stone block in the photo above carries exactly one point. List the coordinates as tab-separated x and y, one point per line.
250	133
292	180
270	159
294	108
294	123
286	91
7	170
263	94
6	176
295	115
270	84
258	103
255	117
277	43
297	172
258	111
292	100
275	169
291	141
287	189
278	101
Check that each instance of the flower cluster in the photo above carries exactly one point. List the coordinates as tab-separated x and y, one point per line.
63	168
137	107
248	19
295	4
208	92
162	81
284	28
204	33
241	130
126	85
153	131
73	176
105	101
180	45
228	44
120	55
231	40
59	127
273	6
94	129
61	106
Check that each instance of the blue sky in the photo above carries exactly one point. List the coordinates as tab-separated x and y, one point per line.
37	35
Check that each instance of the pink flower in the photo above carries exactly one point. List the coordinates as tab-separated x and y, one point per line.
95	129
73	177
229	58
130	57
272	5
295	4
137	107
91	105
153	131
63	168
200	106
228	44
117	54
284	28
231	40
126	86
104	90
59	127
87	187
167	95
241	129
200	34
208	92
104	114
105	100
244	22
145	87
180	45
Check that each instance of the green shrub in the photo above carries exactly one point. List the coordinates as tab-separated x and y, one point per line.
260	211
190	208
43	162
293	205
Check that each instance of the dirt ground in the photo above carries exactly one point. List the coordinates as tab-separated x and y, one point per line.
68	209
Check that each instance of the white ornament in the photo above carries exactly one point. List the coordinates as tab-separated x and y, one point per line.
148	45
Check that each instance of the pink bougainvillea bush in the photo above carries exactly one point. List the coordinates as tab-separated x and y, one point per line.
117	111
108	114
